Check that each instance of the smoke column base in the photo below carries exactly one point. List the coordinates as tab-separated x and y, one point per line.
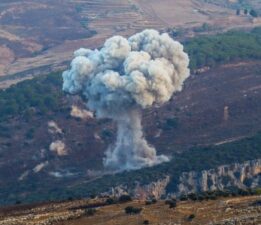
131	150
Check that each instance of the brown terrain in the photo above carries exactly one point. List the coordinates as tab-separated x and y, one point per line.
237	210
38	37
218	106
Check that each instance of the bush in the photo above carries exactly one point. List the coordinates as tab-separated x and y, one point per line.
124	198
110	201
253	13
154	200
18	202
150	202
183	198
132	210
89	212
257	191
171	202
30	133
192	196
191	217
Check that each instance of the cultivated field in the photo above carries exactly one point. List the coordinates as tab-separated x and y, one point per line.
46	41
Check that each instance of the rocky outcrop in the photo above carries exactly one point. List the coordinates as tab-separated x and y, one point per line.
245	175
154	189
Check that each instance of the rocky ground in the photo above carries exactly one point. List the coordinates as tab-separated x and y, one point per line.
224	211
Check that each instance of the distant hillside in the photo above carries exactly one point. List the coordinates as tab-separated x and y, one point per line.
215	112
38	37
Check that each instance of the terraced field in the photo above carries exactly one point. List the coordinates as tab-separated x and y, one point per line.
46	42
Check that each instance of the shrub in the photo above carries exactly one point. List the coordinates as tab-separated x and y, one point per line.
192	196
183	198
30	133
124	198
257	191
18	202
154	200
151	201
132	210
110	201
89	212
191	217
253	13
148	202
171	202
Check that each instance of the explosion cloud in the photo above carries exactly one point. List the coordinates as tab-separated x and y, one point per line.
120	80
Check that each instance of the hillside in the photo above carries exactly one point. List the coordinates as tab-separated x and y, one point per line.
45	42
51	147
243	210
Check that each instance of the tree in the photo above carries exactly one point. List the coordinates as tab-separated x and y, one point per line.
132	210
245	11
124	198
171	202
253	13
191	217
89	212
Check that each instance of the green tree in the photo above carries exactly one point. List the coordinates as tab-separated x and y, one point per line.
253	13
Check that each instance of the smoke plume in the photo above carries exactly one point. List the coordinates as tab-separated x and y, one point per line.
121	79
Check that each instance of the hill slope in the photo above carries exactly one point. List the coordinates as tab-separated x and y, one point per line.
243	210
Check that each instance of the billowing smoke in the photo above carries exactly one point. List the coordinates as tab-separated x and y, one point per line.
120	80
58	147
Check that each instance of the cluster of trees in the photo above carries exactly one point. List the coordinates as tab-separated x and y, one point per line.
213	195
40	95
122	199
251	12
132	210
223	48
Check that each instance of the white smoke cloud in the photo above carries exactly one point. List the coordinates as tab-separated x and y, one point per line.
81	113
53	128
124	77
58	147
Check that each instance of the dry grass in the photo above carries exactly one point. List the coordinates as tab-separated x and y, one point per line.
110	17
216	211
